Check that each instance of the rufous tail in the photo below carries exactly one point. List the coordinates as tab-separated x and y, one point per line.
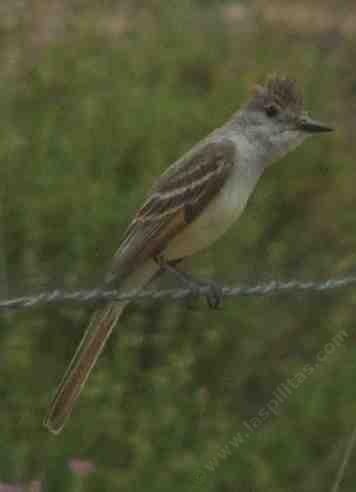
86	355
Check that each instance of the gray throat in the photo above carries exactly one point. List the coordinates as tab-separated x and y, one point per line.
254	153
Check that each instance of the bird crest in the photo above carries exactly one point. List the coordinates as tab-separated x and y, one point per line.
279	91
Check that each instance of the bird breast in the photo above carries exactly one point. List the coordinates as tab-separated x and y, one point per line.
217	217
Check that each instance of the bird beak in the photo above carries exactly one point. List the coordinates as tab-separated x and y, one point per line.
309	125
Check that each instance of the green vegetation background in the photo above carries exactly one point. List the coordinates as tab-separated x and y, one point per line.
96	100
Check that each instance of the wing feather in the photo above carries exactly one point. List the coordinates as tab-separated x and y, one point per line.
178	198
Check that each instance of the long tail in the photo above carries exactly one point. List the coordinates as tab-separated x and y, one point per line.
85	357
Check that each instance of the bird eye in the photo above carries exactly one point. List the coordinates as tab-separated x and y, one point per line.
271	110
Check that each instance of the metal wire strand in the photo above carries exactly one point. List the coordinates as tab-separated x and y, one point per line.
101	294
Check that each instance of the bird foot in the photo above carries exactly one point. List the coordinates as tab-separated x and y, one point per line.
212	291
214	294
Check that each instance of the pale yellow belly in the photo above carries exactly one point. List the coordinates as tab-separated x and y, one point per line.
196	237
219	215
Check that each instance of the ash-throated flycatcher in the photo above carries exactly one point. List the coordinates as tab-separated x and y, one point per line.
192	204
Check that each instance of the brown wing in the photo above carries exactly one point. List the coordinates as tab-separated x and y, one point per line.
178	198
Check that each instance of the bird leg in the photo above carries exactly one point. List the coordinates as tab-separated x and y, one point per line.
214	292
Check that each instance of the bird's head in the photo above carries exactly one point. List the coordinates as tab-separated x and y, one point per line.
276	117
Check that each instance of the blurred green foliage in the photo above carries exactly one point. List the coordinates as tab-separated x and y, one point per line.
95	102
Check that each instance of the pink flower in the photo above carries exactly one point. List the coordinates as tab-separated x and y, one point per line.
80	467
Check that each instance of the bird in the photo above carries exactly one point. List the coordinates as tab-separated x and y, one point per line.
191	205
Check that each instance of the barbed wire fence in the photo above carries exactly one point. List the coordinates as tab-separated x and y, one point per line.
102	294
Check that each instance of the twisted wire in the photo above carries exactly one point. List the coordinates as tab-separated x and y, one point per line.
101	294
